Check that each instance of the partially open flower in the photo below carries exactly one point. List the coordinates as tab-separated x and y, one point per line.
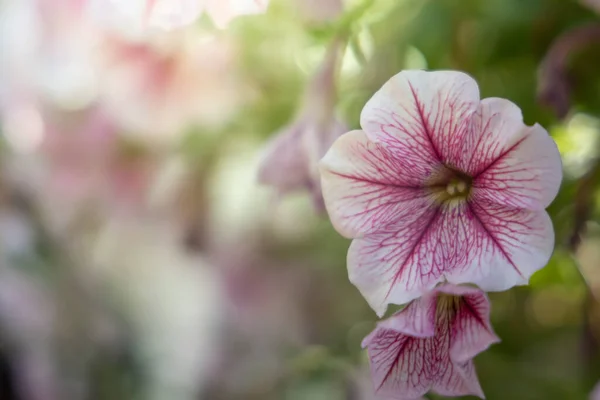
441	185
430	345
291	159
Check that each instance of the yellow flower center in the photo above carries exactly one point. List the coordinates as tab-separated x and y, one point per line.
450	185
447	306
457	187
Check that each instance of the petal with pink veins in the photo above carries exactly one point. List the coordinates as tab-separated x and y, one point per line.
511	163
422	117
366	188
407	260
507	246
471	329
493	246
418	320
406	366
460	378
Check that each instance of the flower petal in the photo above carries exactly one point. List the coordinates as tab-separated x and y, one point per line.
472	332
459	380
399	367
407	260
366	189
508	245
284	164
493	246
417	319
405	367
422	116
512	163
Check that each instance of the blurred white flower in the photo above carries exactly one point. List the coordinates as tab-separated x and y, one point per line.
141	15
172	299
223	11
157	89
48	53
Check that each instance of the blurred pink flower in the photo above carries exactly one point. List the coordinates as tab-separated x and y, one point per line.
82	165
290	161
594	5
318	11
430	344
595	394
158	89
441	185
86	162
171	14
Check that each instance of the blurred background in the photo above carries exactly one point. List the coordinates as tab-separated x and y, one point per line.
162	235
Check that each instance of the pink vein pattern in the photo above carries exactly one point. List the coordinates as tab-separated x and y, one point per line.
430	345
390	187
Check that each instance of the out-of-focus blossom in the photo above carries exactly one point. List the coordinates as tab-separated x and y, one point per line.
319	10
172	299
48	53
592	4
171	14
441	185
290	161
554	81
82	165
430	345
224	11
595	394
158	88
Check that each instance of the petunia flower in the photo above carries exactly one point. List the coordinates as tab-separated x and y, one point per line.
441	186
290	160
138	15
430	345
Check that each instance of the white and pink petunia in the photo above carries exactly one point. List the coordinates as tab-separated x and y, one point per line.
172	14
430	345
441	186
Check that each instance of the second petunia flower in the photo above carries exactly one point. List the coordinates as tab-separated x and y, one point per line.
441	186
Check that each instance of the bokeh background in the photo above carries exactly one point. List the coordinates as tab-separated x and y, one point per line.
141	258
